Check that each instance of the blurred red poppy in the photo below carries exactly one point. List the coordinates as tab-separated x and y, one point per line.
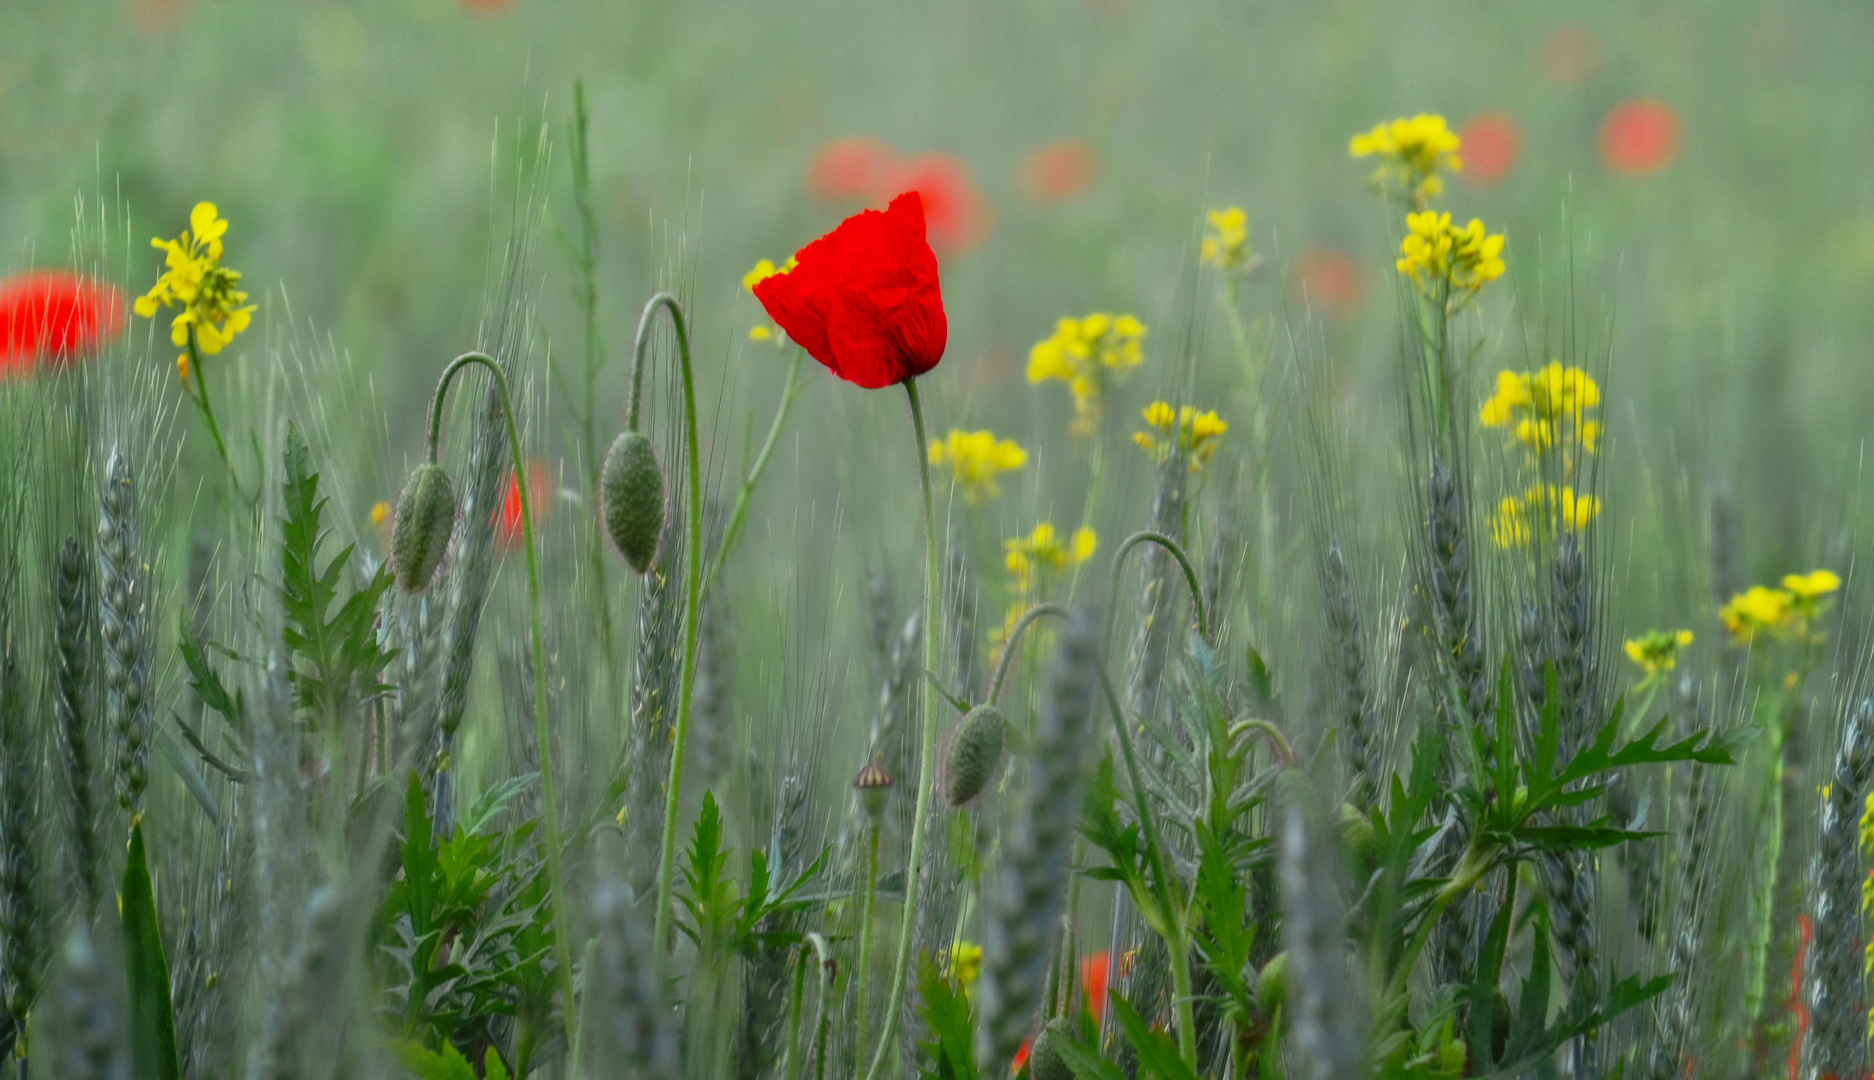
1094	969
1328	279
157	17
850	168
485	7
954	210
1060	170
864	299
1639	136
54	315
507	518
1021	1056
1491	143
1570	56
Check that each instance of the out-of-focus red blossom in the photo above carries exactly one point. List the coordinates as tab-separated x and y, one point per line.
1094	969
507	518
1491	144
485	7
954	211
1060	170
864	299
1639	136
156	17
1570	57
1328	279
54	315
1021	1056
850	168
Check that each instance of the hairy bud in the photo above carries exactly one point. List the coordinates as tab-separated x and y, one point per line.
632	486
974	754
420	535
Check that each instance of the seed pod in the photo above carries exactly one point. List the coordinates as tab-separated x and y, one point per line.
1044	1059
632	485
975	752
873	785
420	534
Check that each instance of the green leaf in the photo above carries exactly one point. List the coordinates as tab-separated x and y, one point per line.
1158	1054
493	1068
949	1054
445	1064
1087	1063
203	680
146	972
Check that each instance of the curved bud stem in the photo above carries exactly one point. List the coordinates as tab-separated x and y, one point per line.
1014	639
1284	751
1204	627
549	808
692	593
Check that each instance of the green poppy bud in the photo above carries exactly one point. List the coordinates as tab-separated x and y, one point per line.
1357	835
873	784
974	754
1272	984
1044	1058
632	488
420	534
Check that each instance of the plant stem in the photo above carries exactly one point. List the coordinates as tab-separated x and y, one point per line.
1146	536
825	1021
1172	913
740	510
1471	869
862	972
1015	636
790	1065
692	598
927	750
556	880
208	409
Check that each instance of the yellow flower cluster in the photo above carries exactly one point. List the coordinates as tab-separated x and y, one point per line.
763	270
1045	550
1657	650
1544	506
1226	244
1183	431
966	963
214	308
1544	407
974	458
1084	353
1448	262
1786	613
1411	152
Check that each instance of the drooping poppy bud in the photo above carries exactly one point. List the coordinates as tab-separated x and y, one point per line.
420	534
631	486
1272	984
975	753
1044	1060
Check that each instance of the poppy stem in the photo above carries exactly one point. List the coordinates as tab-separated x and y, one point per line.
927	747
1204	628
556	876
740	511
861	973
692	598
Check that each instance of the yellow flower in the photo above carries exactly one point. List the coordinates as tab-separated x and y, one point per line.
1447	262
1812	586
1543	406
763	270
380	512
1657	650
975	457
1046	550
1226	244
1757	609
1550	507
1087	354
214	309
1184	431
1411	150
966	963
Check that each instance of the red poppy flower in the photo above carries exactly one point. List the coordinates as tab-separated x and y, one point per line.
1094	969
56	315
1570	57
1060	170
1021	1056
1328	279
1639	136
955	211
486	7
864	299
1491	143
850	168
507	516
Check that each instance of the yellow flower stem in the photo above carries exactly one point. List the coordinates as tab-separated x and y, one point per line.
1096	473
862	974
692	599
208	409
740	511
556	876
927	748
